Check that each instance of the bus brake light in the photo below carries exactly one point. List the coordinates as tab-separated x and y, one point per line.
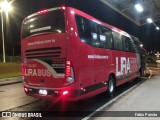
69	73
25	89
68	68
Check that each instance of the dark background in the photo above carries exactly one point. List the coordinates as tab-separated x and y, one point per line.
147	34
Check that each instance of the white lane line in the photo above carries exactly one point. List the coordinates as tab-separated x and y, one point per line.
102	108
150	72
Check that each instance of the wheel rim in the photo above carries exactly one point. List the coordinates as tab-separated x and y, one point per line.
111	86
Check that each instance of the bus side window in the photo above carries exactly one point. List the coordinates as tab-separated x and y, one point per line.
84	30
117	41
126	43
133	46
105	37
95	34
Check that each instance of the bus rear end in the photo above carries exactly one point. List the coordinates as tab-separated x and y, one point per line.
46	71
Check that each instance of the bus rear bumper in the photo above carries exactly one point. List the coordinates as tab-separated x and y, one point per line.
62	94
53	94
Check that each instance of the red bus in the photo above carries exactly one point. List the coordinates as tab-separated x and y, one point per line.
68	54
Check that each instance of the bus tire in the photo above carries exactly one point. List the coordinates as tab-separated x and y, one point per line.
111	86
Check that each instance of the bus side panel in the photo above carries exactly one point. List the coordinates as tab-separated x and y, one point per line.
102	65
132	67
86	65
116	59
81	52
73	46
126	66
133	59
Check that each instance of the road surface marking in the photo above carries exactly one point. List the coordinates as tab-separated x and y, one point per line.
102	108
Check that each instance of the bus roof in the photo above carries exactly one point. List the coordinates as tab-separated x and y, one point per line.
76	11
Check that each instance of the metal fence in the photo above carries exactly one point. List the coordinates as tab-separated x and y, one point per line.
11	59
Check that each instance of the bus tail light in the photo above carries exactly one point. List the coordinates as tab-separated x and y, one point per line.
26	89
69	73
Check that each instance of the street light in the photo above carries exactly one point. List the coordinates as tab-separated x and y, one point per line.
149	20
5	7
157	28
141	45
139	8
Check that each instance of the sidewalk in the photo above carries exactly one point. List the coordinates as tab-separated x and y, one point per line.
155	68
145	97
7	81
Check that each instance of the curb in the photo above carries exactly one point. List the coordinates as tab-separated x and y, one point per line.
8	81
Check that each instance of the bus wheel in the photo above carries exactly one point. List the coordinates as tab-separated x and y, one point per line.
111	86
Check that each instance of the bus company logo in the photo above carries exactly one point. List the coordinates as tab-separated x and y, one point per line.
41	42
37	72
126	65
97	57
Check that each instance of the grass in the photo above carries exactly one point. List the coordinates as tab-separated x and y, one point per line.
10	70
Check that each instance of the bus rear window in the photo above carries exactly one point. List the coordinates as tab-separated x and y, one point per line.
52	21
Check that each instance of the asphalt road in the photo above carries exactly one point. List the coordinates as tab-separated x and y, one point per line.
12	98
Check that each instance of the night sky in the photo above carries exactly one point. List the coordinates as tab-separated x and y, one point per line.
147	34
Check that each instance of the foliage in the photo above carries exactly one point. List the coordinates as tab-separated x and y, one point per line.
10	70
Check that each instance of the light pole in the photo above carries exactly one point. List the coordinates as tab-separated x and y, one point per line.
3	45
5	7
